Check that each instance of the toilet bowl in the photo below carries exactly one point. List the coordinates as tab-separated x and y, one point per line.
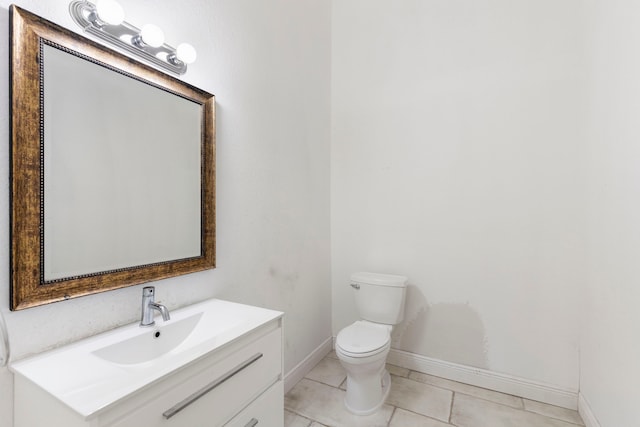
363	346
362	349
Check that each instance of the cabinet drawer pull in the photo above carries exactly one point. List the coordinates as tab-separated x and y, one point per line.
252	423
206	389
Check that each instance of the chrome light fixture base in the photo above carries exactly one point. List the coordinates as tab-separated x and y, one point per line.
126	37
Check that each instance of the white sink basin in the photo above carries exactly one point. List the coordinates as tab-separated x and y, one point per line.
148	346
92	374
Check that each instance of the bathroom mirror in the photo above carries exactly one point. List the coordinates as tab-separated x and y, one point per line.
112	168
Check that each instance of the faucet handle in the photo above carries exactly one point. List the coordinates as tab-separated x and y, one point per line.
148	291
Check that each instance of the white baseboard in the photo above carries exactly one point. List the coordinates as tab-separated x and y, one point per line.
487	379
301	369
584	409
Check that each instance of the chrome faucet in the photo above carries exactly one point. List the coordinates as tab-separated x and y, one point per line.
148	305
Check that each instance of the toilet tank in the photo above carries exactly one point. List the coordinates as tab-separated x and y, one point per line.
380	297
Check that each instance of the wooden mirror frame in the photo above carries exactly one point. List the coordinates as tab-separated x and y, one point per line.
28	289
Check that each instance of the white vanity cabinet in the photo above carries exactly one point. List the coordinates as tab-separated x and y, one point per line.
237	384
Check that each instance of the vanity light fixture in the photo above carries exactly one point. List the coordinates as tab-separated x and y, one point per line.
109	12
105	20
150	35
185	53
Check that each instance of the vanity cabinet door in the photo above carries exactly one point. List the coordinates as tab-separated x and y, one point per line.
266	411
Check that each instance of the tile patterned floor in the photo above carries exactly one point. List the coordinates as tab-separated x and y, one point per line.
415	400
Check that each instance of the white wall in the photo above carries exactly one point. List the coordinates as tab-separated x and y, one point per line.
457	161
610	343
268	65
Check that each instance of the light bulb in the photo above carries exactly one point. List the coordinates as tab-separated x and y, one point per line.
110	11
186	53
152	35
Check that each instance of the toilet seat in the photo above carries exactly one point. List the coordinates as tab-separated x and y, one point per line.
363	339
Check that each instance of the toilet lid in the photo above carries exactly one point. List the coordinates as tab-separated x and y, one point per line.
362	337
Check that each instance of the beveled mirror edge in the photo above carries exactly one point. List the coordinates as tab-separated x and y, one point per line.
26	289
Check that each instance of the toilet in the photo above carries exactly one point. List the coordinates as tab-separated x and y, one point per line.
363	346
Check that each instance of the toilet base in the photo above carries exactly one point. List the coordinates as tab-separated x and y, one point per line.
376	392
